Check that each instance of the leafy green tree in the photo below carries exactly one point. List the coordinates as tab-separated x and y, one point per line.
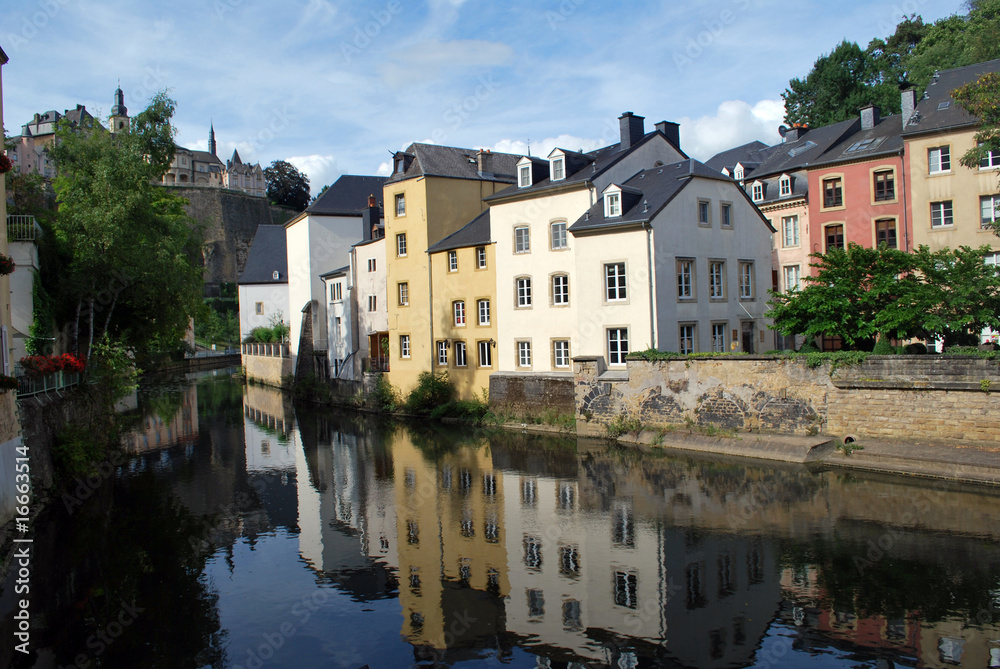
958	292
286	185
837	86
956	41
131	271
981	98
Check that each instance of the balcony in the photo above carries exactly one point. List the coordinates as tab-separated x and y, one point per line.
23	229
380	364
266	350
28	386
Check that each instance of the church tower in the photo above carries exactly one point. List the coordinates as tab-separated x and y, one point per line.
119	113
211	138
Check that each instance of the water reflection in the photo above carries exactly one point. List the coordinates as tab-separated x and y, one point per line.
396	545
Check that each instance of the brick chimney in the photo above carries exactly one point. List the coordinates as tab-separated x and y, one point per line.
869	117
909	104
795	132
632	129
672	131
484	163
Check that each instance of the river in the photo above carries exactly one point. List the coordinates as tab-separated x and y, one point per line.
242	532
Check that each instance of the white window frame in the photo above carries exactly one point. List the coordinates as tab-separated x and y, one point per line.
717	279
461	352
404	346
757	191
452	261
791	276
614	340
401	245
442	353
993	202
615	282
522	239
560	293
483	309
400	200
785	186
939	159
485	353
685	279
687	340
522	292
336	292
719	337
524	176
944	212
458	311
560	353
746	280
403	292
990	161
558	166
613	204
704	213
790	231
524	353
372	303
480	257
726	215
557	236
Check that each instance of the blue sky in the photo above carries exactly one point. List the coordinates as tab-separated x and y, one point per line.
335	86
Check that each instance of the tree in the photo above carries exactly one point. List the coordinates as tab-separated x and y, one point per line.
956	41
959	293
130	247
981	98
286	186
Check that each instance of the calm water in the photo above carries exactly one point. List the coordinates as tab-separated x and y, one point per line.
244	533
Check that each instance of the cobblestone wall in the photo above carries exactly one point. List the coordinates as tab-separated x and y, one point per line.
940	398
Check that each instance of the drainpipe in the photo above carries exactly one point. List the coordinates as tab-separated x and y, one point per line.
652	286
906	222
430	309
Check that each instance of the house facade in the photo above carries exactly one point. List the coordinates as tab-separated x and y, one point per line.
371	299
263	286
341	318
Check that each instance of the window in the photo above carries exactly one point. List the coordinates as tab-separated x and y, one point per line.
258	308
558	235
685	279
458	308
614	282
371	265
404	346
480	257
483	307
785	186
485	354
746	280
939	159
452	261
719	337
613	205
941	214
569	560
460	351
558	169
703	219
885	186
336	292
560	353
834	237
757	192
833	192
989	206
990	159
404	293
560	290
401	245
789	231
524	354
442	352
617	345
793	274
524	176
727	215
686	341
523	292
522	241
626	589
717	279
885	232
532	552
372	303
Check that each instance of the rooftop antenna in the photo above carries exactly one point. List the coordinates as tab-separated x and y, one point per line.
529	147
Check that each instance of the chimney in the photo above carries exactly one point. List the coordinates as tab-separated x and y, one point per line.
672	131
909	103
632	129
371	202
795	132
869	117
370	218
484	163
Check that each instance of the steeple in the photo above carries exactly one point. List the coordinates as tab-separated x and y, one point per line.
119	112
211	138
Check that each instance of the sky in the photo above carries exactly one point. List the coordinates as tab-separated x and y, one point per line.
335	87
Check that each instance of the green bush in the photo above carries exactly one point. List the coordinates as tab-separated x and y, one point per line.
432	391
883	347
622	424
809	347
385	397
76	451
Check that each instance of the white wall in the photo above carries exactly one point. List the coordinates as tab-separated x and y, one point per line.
275	300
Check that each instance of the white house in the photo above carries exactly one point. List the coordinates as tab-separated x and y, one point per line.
341	318
263	285
371	304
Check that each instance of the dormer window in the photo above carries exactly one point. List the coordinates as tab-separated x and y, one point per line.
275	275
524	176
757	191
785	185
612	204
558	168
738	173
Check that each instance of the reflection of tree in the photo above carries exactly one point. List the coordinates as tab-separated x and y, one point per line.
220	401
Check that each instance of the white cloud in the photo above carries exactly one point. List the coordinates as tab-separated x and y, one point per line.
321	170
735	122
384	169
542	148
427	61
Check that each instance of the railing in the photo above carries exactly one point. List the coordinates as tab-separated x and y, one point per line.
37	385
377	364
266	350
22	228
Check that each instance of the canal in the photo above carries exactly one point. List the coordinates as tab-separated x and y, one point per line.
242	532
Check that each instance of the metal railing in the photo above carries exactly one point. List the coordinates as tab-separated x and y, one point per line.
379	364
37	385
21	228
266	350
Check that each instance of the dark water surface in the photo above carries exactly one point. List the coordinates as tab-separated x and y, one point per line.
243	533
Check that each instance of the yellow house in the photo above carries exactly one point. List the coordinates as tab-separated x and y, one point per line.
951	205
463	279
434	191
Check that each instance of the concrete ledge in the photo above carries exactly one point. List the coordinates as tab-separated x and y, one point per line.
798	450
940	461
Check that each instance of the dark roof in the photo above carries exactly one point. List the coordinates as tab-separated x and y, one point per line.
268	253
772	187
657	187
3	57
474	233
348	196
431	160
730	157
886	138
937	110
804	151
340	271
204	156
599	161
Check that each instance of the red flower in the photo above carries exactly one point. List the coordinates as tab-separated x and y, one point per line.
5	164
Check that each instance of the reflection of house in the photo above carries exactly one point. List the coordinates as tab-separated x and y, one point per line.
167	427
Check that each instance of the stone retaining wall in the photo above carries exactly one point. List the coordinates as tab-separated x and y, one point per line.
926	397
532	394
269	370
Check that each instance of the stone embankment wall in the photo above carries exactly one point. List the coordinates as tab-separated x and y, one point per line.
532	394
269	370
936	398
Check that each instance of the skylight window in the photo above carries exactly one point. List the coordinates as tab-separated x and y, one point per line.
865	145
798	150
944	105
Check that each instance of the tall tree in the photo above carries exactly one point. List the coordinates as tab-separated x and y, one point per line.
131	271
956	41
286	185
981	98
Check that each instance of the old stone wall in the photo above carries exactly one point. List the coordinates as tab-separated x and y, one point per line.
532	394
269	370
926	397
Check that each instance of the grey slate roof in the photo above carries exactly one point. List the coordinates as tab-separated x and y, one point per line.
474	233
340	271
269	252
457	163
658	186
348	196
748	152
937	109
803	152
886	138
3	57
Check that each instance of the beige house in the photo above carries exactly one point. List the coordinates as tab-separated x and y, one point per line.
205	169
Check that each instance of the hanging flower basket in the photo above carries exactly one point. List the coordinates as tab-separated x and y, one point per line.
5	164
6	264
7	383
40	365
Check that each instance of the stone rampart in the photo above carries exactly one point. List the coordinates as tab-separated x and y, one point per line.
532	394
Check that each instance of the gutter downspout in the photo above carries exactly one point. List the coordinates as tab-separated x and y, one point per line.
906	221
430	309
652	284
